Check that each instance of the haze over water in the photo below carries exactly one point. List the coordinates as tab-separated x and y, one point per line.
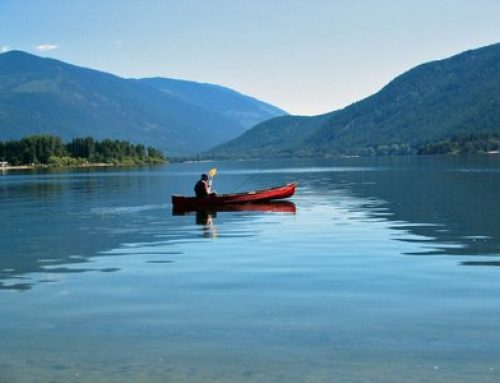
386	272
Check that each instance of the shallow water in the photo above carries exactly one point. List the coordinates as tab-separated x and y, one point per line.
384	273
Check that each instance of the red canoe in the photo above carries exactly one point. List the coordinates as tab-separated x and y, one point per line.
181	202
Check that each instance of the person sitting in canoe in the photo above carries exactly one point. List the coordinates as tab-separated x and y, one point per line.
202	188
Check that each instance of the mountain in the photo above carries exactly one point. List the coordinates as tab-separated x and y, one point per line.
42	95
241	109
439	100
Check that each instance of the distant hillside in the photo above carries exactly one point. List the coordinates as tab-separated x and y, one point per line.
47	96
241	109
278	137
457	96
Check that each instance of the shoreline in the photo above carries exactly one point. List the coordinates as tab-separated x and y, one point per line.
87	165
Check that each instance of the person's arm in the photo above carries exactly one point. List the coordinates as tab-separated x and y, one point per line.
207	187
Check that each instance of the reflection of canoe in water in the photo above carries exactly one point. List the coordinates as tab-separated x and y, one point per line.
264	207
184	203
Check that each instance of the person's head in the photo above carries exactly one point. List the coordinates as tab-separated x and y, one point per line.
204	177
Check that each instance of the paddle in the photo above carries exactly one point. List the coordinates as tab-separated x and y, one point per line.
211	174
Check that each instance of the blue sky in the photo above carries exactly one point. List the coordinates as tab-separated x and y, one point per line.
307	57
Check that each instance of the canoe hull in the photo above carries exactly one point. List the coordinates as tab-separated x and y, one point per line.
184	203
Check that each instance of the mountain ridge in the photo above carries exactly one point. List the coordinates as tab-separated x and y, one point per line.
240	108
432	101
44	95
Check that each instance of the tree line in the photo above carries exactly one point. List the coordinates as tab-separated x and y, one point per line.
51	150
464	143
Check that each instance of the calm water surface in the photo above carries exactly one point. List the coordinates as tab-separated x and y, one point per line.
386	272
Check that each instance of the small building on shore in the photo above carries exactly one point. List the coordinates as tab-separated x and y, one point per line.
4	164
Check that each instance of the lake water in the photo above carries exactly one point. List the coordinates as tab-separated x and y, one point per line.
387	271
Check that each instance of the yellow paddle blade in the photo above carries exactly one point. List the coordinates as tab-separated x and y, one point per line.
212	172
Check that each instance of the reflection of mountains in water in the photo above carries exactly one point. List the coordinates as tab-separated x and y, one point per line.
450	203
455	207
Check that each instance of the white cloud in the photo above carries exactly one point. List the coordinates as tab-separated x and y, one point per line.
46	47
4	48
